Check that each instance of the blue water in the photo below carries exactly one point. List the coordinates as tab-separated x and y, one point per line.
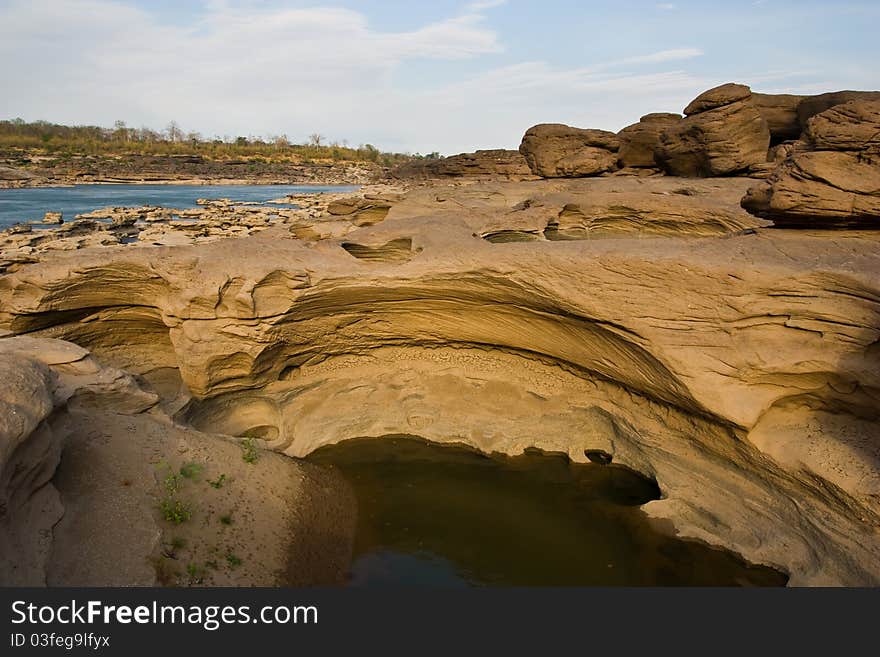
30	204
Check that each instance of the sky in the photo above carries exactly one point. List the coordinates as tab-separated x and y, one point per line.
414	76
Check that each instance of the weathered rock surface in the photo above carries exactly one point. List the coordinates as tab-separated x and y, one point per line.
780	111
183	169
14	174
813	105
723	133
836	183
639	140
498	164
314	216
95	521
716	97
853	126
739	370
554	150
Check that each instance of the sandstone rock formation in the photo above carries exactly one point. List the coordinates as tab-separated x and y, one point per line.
723	133
96	520
813	105
780	111
553	150
833	179
736	366
639	140
481	164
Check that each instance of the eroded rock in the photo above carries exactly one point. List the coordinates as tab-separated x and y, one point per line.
554	150
780	111
639	140
688	348
833	178
722	134
499	163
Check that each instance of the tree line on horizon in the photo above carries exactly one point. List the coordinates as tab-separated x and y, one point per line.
64	140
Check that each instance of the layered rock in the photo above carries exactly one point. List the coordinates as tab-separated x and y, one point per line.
497	163
833	179
723	133
780	111
554	150
701	362
29	454
96	521
639	140
813	105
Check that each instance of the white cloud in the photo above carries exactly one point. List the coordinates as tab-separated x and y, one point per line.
298	71
662	56
666	6
483	5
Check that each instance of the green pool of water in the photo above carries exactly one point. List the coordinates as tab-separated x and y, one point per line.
437	515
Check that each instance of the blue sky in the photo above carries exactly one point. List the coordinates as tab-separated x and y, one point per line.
444	76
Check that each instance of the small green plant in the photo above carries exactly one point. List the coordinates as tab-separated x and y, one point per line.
172	483
249	451
191	471
226	520
174	510
218	482
196	573
232	560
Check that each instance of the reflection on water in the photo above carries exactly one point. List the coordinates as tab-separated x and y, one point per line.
432	515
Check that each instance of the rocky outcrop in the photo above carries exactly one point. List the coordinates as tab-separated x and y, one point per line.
554	150
29	454
14	174
853	127
813	105
739	371
780	111
723	133
639	140
129	168
503	164
97	520
833	178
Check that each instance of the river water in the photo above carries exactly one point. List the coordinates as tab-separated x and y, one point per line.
434	515
30	204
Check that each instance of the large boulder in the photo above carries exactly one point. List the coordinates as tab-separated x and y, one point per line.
716	97
835	184
722	134
554	150
638	141
853	126
813	105
780	111
498	163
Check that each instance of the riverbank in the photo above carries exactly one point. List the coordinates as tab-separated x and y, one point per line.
26	170
309	214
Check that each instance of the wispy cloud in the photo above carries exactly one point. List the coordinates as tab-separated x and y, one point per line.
252	67
483	5
672	55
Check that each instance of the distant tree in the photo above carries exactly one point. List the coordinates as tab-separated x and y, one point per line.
370	152
120	131
315	139
281	141
241	141
174	132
